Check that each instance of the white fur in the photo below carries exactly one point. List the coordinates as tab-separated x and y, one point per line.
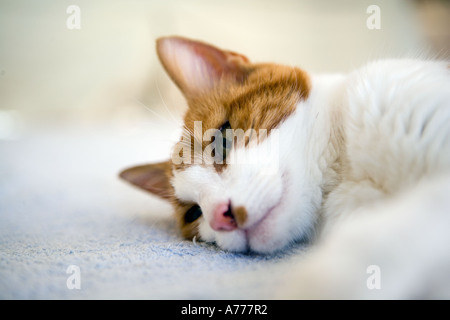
391	206
407	237
357	142
396	123
266	188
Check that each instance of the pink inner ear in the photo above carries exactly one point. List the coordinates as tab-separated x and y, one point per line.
195	66
220	63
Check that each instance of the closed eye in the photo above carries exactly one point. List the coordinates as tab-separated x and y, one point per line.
193	214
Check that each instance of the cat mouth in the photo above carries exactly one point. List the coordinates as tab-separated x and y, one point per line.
261	229
261	235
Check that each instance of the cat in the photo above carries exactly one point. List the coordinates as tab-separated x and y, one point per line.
316	158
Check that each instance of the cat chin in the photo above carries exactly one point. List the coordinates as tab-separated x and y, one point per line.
290	218
241	241
262	238
235	241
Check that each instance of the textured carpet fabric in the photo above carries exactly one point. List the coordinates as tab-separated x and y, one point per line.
61	204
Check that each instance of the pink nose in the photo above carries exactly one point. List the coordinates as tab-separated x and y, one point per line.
223	219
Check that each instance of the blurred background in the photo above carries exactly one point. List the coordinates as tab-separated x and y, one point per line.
107	71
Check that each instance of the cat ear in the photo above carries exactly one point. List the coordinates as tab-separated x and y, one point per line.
197	67
152	177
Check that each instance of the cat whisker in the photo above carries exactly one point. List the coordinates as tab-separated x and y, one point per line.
188	131
150	110
165	105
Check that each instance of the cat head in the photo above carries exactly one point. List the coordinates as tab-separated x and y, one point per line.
233	178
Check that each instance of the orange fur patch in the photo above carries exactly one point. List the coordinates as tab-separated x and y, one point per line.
267	97
188	230
264	100
240	215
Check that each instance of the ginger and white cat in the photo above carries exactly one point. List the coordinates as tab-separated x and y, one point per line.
332	160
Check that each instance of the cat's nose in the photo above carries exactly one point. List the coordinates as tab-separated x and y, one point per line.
223	218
